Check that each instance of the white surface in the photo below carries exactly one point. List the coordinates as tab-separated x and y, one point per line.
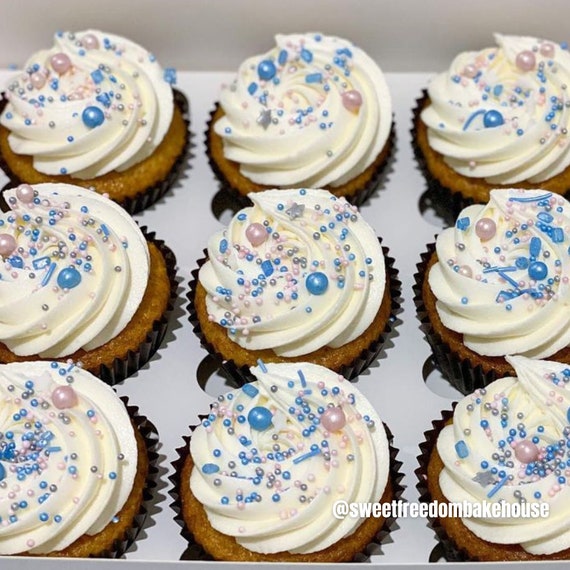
198	35
167	391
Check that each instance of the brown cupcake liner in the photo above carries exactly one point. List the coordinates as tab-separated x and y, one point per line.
446	203
150	195
122	368
242	374
195	551
150	435
230	194
460	373
449	549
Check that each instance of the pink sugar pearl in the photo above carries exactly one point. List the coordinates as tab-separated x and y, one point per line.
333	419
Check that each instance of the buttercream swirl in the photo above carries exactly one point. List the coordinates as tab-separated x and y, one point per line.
313	111
75	268
297	271
509	442
503	113
93	103
68	456
502	275
272	458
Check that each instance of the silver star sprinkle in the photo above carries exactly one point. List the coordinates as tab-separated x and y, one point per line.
295	211
264	118
484	478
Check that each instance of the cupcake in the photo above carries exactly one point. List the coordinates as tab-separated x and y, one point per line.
80	281
498	118
299	276
504	445
96	110
262	472
74	464
314	111
497	284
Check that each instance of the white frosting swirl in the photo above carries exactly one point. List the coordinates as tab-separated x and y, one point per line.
67	460
314	278
292	116
77	274
503	272
503	113
510	443
119	85
238	451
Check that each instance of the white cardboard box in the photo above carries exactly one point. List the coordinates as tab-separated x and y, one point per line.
206	41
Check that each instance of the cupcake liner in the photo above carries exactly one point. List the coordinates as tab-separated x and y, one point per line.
150	435
445	203
232	194
449	549
460	373
122	368
150	195
196	552
242	374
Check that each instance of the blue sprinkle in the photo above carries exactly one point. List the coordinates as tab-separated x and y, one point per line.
48	275
473	115
496	487
463	223
252	88
41	263
16	261
306	55
223	246
250	390
262	366
314	78
545	217
267	267
97	76
534	247
210	468
104	99
170	75
282	58
557	235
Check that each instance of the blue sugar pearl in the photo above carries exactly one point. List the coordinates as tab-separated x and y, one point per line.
44	517
537	270
259	418
68	278
317	283
275	498
266	70
492	119
92	117
112	475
